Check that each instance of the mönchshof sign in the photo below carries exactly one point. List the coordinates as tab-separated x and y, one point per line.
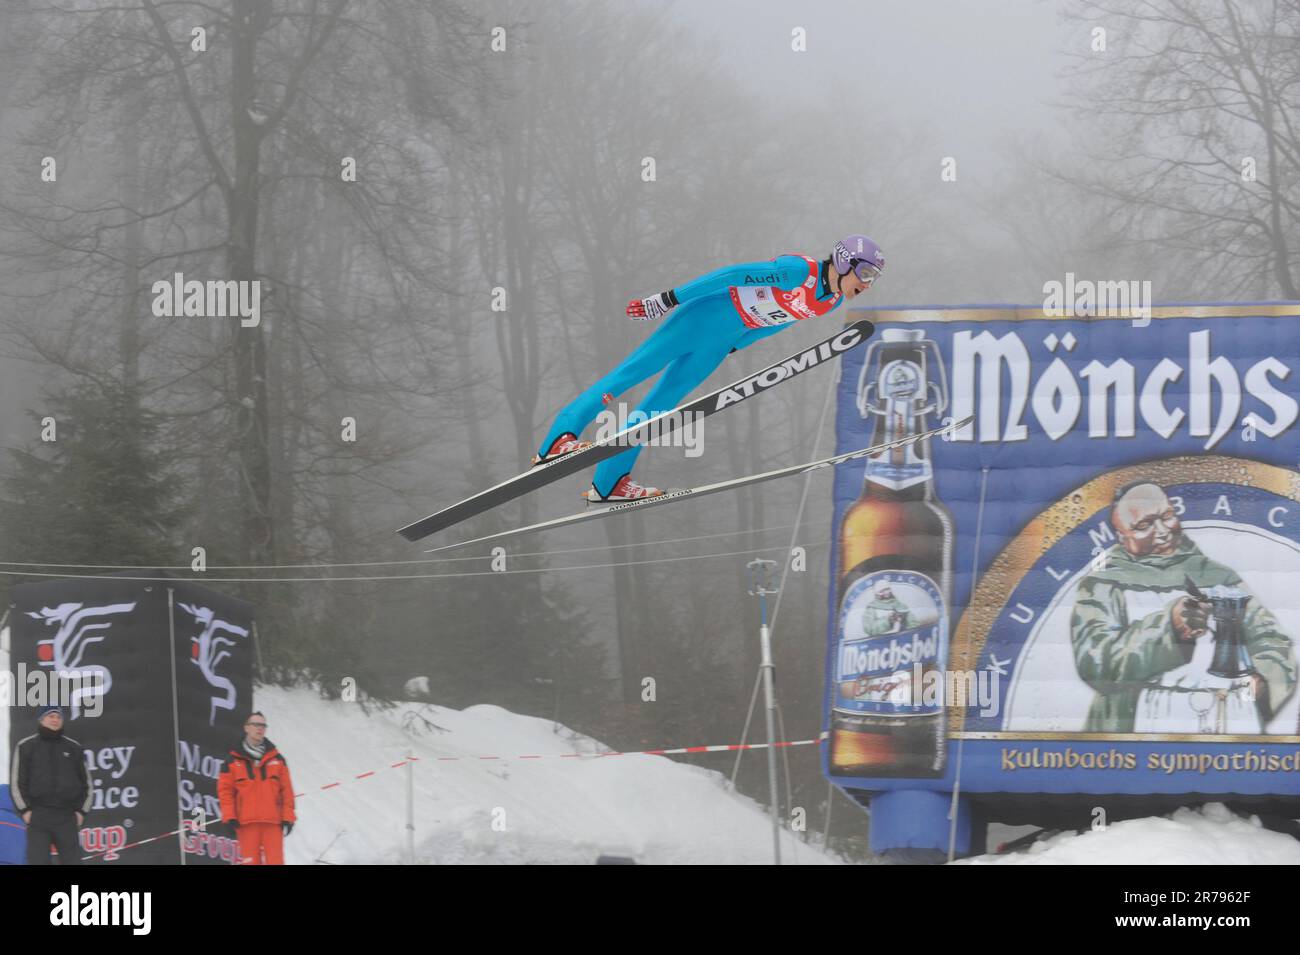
155	678
1093	587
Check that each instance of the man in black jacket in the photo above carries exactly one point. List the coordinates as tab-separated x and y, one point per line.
50	788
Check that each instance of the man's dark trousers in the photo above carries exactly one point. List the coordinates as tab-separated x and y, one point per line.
58	826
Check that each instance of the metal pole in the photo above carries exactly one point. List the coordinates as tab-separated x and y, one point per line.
830	804
758	587
176	719
955	803
257	649
749	718
410	809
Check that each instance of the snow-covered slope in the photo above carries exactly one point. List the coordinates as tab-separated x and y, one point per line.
570	807
469	810
1211	835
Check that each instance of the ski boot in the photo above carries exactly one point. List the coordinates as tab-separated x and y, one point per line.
564	444
625	490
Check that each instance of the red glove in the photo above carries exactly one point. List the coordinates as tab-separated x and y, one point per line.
648	309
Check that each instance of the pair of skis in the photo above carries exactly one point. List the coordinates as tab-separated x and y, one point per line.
663	426
848	338
676	495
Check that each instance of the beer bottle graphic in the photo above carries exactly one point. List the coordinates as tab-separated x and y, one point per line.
895	584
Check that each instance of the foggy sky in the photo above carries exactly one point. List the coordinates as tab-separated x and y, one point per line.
973	71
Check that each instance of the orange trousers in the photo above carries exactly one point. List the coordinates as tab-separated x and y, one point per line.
261	843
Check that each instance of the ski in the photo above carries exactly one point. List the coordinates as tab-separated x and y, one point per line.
682	493
665	424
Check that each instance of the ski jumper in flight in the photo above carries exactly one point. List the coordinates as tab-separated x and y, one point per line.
712	316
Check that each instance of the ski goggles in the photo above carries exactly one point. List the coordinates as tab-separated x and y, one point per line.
867	272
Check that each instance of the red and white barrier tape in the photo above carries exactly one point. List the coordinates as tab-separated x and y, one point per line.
677	751
681	750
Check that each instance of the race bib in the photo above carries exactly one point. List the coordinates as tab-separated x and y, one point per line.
763	306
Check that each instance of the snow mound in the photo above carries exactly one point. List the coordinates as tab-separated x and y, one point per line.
1210	835
566	806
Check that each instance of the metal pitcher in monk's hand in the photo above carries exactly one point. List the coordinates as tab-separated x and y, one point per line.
1230	657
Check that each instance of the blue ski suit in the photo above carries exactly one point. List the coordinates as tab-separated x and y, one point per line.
704	328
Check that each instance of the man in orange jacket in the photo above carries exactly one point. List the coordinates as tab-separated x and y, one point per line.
257	795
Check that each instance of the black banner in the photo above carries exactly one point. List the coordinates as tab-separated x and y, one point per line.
153	716
214	687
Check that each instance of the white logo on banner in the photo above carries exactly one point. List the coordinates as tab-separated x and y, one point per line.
209	650
78	628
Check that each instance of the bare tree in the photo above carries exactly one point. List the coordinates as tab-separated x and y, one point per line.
1190	118
228	156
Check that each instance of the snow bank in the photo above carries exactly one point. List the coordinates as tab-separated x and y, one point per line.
508	810
1211	835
